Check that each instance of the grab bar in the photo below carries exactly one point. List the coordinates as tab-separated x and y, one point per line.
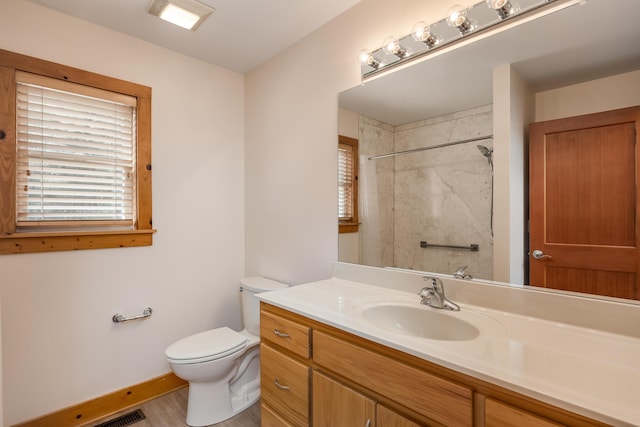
474	247
119	318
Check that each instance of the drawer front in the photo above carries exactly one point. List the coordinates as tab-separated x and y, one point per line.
284	385
285	333
434	397
498	414
268	418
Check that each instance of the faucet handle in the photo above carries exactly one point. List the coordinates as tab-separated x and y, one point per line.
436	283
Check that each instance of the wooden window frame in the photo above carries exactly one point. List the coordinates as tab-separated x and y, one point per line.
13	241
351	226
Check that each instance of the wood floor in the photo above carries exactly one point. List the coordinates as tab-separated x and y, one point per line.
171	411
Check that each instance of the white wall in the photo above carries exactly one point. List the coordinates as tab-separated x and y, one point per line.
609	93
59	344
513	111
291	121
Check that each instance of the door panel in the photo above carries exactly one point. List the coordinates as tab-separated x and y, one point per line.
584	203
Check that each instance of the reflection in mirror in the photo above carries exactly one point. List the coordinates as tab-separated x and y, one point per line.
544	69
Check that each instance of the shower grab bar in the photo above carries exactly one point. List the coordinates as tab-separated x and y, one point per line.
119	318
415	150
474	247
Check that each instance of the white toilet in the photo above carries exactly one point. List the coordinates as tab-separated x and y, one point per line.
222	365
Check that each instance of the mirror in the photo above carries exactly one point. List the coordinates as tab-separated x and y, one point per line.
443	196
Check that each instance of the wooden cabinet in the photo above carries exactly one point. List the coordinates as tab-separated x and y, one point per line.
314	374
337	405
268	418
284	385
499	414
385	417
429	395
285	333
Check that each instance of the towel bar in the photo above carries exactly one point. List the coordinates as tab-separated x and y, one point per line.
119	318
474	247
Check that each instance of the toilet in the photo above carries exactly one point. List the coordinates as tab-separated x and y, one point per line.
221	365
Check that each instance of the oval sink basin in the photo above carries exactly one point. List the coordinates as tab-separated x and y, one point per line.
421	322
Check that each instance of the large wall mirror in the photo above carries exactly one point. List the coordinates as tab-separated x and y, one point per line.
444	143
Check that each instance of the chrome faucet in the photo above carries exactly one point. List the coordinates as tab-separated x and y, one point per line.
433	295
460	273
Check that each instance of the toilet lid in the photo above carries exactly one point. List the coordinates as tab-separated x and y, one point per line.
206	346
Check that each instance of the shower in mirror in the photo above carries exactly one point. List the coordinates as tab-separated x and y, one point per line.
488	153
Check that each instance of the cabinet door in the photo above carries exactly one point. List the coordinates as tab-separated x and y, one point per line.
498	414
385	417
335	405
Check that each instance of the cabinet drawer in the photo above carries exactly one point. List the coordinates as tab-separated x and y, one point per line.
498	414
284	384
268	418
434	397
285	333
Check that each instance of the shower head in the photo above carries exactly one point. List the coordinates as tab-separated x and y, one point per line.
488	153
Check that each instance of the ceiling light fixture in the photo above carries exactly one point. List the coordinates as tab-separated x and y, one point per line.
187	14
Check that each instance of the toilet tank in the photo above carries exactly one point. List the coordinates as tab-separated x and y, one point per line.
250	286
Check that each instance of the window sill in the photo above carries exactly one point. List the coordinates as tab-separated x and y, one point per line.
348	227
73	240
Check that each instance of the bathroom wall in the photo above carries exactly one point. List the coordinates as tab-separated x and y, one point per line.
59	345
609	93
442	195
290	149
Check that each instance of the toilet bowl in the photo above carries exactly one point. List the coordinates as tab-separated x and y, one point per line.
221	365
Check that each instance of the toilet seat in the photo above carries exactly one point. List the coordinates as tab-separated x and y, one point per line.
206	346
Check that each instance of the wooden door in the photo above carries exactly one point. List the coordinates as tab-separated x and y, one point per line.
584	203
335	405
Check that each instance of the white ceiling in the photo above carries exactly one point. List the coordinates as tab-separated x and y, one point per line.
581	43
239	35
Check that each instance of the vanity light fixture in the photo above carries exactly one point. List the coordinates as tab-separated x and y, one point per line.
422	33
462	22
187	14
504	8
457	17
392	46
367	58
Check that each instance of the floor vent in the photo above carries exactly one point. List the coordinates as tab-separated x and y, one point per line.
124	420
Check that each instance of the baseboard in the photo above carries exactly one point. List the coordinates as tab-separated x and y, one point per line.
103	406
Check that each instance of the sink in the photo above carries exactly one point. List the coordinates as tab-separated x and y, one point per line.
418	321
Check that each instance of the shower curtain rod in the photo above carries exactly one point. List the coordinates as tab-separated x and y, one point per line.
415	150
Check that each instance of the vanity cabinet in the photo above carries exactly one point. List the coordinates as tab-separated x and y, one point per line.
498	414
316	375
285	373
335	404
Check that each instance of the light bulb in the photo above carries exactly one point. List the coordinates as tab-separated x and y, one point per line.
504	8
391	46
422	33
367	58
457	17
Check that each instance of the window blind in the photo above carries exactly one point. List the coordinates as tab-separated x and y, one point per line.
345	182
75	158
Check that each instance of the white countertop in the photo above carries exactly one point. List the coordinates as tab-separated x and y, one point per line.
586	371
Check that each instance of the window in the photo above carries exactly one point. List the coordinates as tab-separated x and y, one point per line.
347	184
75	163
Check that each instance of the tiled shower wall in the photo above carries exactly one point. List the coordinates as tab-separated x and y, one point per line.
442	195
